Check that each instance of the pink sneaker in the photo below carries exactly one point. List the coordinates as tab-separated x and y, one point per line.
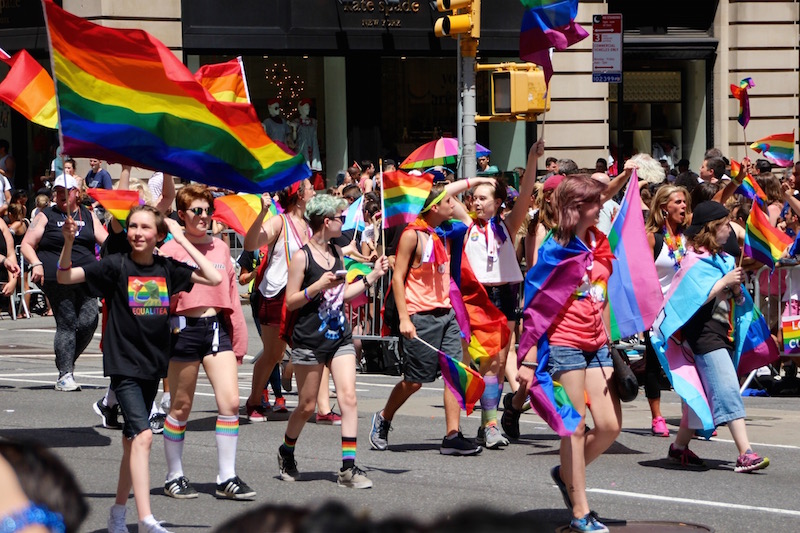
659	427
750	461
331	419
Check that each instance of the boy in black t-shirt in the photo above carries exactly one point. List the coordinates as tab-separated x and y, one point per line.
137	287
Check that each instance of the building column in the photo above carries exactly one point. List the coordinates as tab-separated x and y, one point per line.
336	157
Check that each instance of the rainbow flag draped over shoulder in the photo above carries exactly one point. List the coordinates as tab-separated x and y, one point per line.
225	81
634	292
753	346
740	93
29	89
118	203
129	100
403	195
548	24
239	211
750	188
762	241
778	148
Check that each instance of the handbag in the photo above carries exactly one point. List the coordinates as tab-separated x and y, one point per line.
627	384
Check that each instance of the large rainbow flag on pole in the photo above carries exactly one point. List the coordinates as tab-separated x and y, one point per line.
29	89
634	293
778	148
403	195
225	81
131	101
762	241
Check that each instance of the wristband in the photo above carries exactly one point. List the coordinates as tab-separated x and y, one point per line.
367	284
529	364
63	269
468	183
305	293
35	265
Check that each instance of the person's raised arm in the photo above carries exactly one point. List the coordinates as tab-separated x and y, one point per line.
258	234
167	194
788	195
124	182
518	213
616	185
206	273
100	231
457	187
406	249
10	260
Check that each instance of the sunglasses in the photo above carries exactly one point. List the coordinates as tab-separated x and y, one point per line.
340	218
200	210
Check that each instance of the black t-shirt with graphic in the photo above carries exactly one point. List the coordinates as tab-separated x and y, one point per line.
136	341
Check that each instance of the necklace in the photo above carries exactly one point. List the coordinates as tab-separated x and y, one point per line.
322	252
675	247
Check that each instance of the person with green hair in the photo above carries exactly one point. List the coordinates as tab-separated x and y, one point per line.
316	291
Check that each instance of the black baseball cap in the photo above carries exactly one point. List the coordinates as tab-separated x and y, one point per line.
704	213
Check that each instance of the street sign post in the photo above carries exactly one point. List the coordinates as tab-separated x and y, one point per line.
607	48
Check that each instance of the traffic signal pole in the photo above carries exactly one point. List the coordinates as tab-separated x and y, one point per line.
469	134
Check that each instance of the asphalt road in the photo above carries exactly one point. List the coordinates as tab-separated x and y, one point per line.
632	482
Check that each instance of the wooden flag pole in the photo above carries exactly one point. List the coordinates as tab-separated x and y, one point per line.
744	134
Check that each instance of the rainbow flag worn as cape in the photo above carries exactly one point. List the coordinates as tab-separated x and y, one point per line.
225	81
116	202
548	24
634	292
549	286
751	189
29	89
402	196
753	346
778	148
130	100
740	93
239	211
762	241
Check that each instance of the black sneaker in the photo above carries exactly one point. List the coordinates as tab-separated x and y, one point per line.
110	415
288	467
157	422
180	488
458	445
510	419
234	489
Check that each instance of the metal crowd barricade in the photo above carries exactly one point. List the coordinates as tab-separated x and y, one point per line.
367	325
20	291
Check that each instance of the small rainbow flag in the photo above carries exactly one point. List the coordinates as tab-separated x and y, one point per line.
29	89
778	148
403	195
751	189
239	211
356	271
791	334
118	203
225	81
736	168
465	384
762	242
740	93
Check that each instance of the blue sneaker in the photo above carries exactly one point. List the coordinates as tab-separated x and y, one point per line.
588	523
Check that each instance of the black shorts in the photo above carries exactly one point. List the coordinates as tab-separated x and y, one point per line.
438	328
135	397
198	337
503	297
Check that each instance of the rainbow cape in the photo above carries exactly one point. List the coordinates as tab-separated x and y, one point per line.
763	242
239	211
778	148
634	292
225	81
549	286
29	89
116	202
356	271
402	196
740	93
753	346
548	24
750	188
132	101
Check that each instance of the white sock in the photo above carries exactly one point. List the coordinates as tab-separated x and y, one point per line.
110	399
174	433
150	520
118	509
227	434
166	402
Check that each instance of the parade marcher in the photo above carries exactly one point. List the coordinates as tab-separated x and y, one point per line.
321	337
421	287
137	287
208	327
75	311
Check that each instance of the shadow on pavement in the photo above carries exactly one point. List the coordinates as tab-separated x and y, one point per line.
81	437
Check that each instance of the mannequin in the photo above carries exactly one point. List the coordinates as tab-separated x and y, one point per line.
276	127
306	135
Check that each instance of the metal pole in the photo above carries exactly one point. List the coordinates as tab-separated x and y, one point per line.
469	163
459	112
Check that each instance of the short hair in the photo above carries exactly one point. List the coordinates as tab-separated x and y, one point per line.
161	226
351	192
323	206
365	164
687	179
717	165
763	166
712	152
567	167
499	190
190	193
602	161
549	161
436	190
353	171
704	192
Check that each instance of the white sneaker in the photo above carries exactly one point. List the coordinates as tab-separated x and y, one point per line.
152	528
116	521
67	383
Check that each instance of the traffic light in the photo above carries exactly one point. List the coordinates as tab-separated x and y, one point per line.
466	18
519	92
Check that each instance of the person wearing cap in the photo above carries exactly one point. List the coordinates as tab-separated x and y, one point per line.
703	318
74	309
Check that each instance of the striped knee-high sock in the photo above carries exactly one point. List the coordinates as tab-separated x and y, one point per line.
348	452
174	433
227	435
489	400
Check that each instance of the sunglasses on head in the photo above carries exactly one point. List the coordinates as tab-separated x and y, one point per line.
200	210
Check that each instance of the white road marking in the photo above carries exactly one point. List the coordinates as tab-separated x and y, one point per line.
786	446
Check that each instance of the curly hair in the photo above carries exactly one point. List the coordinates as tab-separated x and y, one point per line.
570	197
190	193
656	218
323	206
649	169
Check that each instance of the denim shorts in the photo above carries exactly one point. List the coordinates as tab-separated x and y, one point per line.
720	384
135	397
566	358
505	298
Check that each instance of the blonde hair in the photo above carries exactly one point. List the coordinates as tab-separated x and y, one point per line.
656	218
135	184
649	169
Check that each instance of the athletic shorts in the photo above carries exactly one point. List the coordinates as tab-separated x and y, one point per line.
438	328
194	338
270	312
135	398
304	356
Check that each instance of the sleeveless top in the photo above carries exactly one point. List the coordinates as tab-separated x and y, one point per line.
494	262
427	285
321	323
52	240
665	268
277	273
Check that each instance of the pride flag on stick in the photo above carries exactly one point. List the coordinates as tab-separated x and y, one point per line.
118	203
465	384
751	189
762	242
29	89
225	81
239	211
403	195
778	148
740	93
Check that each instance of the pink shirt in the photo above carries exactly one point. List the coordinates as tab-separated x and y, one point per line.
224	296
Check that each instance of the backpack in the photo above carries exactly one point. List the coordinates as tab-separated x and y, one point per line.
391	318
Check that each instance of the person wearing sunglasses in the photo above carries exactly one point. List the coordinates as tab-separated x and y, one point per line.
208	327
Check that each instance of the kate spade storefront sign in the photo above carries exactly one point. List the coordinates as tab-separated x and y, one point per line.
385	13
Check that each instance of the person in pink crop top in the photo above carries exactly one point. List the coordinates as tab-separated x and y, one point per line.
208	327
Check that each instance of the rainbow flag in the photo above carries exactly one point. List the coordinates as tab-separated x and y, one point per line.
548	24
736	168
465	383
791	334
116	202
778	148
751	189
225	81
402	196
740	93
130	100
29	89
634	292
239	211
356	271
763	242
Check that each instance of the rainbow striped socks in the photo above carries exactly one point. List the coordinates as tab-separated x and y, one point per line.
227	435
287	448
489	401
348	452
174	433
